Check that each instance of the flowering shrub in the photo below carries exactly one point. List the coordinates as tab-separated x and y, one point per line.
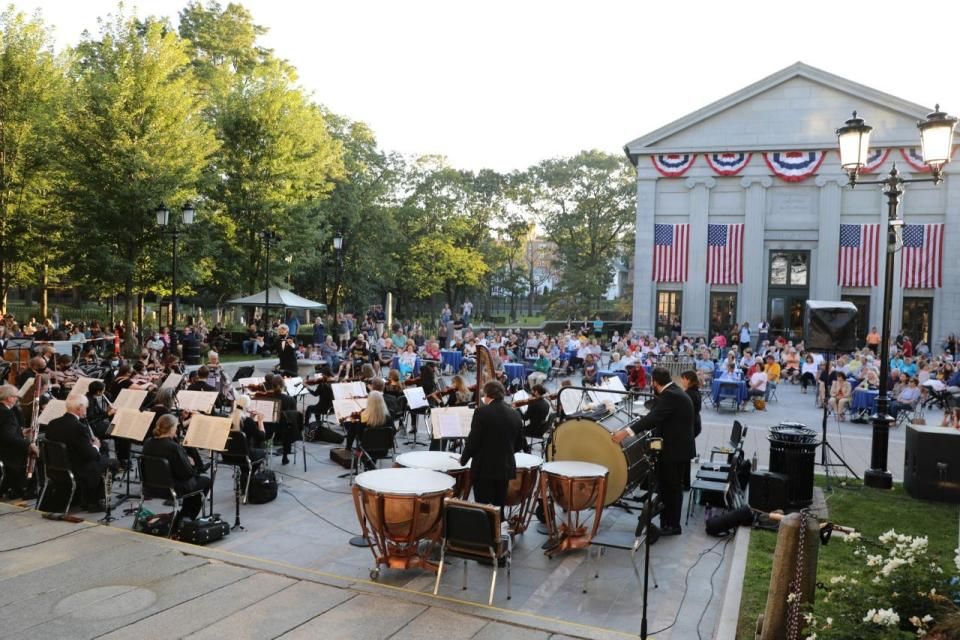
900	592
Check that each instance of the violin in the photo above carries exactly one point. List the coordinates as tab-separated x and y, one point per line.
532	399
320	379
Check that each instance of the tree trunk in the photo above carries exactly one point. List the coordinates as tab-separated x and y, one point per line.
129	346
44	291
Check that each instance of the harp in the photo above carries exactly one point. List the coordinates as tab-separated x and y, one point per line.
485	371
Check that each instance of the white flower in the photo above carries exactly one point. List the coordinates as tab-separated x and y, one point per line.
915	621
809	619
853	536
791	598
838	579
829	622
927	619
870	614
892	565
889	536
886	617
873	561
812	636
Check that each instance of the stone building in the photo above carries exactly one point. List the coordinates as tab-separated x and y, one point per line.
791	226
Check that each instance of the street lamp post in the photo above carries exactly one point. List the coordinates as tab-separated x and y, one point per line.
338	245
936	141
269	237
187	213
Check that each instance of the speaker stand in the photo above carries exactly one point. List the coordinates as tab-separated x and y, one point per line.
826	449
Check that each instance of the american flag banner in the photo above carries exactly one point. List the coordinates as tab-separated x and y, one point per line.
670	244
724	253
859	254
921	260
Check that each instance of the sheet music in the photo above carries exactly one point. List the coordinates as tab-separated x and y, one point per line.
201	401
207	432
131	424
344	390
245	382
416	397
570	401
344	408
451	422
172	381
294	386
81	386
521	395
54	409
130	399
269	409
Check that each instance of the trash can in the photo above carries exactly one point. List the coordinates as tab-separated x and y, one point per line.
793	453
192	353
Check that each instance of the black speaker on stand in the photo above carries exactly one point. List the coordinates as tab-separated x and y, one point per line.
829	327
931	469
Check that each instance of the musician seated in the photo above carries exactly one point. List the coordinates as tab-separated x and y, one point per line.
14	445
460	394
186	476
276	430
86	461
538	410
375	415
36	366
141	378
99	413
202	381
252	425
323	392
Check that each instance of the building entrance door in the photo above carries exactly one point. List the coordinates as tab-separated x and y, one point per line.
788	288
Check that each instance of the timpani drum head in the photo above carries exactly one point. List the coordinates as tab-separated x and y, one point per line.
413	482
527	461
589	441
574	469
431	460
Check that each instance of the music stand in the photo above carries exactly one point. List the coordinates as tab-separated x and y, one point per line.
416	399
451	423
211	433
129	424
826	449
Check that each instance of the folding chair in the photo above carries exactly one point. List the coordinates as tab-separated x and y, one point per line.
155	475
237	456
373	445
472	531
736	439
908	414
292	426
728	391
710	489
771	394
56	467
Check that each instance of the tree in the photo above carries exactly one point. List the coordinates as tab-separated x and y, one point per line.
31	94
586	206
133	136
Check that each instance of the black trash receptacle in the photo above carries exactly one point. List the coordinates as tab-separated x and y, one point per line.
793	452
191	352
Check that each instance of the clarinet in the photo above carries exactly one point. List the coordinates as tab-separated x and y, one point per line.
34	426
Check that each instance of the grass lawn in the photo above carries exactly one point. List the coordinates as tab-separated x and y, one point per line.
870	511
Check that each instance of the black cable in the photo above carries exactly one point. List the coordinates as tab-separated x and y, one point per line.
34	544
686	586
332	524
723	554
316	484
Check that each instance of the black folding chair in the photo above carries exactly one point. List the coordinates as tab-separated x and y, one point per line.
156	478
373	445
630	541
56	468
472	531
291	425
237	455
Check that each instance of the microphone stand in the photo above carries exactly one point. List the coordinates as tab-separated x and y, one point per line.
646	518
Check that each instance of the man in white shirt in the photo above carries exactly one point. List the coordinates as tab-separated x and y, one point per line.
745	337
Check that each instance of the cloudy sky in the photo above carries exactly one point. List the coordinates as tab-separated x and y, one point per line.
503	84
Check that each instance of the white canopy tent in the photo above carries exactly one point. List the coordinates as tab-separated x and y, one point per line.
279	298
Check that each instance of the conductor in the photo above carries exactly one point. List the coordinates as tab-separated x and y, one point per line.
671	419
495	434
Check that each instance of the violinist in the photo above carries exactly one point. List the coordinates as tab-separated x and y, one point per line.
286	349
375	415
251	424
323	392
459	394
538	412
36	365
165	404
429	384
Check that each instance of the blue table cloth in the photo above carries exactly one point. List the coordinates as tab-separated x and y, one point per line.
717	383
453	359
395	364
606	373
514	371
566	355
864	400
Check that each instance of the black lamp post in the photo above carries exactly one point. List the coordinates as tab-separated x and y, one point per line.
936	141
338	245
269	237
187	213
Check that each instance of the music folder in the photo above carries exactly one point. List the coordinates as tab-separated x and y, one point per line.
130	399
294	386
25	389
451	422
207	432
344	390
54	409
269	409
131	424
343	409
416	398
197	401
81	386
172	381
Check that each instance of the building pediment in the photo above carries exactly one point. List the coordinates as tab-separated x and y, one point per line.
797	108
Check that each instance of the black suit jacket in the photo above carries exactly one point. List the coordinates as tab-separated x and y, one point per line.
537	412
70	431
671	418
173	453
13	446
495	433
287	356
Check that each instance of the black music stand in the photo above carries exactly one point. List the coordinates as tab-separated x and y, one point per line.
134	429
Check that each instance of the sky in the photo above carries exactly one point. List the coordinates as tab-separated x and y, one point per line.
504	84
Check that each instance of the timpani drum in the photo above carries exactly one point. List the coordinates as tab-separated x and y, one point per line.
574	487
442	461
397	509
589	441
521	491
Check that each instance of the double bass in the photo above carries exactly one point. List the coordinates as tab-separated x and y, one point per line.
34	429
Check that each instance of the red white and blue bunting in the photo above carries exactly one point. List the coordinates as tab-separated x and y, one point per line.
914	158
875	158
728	164
794	166
673	165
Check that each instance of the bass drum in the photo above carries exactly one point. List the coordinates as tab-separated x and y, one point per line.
589	441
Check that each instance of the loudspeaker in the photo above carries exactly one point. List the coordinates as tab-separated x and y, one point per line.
768	491
830	326
931	468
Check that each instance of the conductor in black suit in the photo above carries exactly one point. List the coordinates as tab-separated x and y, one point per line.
14	447
286	348
83	448
671	418
496	432
186	477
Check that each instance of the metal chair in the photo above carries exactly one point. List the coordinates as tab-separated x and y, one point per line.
623	540
56	466
237	456
472	531
771	394
728	390
155	474
292	425
736	440
726	488
373	445
908	414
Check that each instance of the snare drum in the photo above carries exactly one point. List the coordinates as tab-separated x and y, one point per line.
575	487
521	491
442	461
589	441
397	509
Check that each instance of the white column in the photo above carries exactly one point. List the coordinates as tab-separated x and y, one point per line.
947	304
643	288
824	282
750	299
695	297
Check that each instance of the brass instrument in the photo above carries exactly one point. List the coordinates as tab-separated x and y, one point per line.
34	423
